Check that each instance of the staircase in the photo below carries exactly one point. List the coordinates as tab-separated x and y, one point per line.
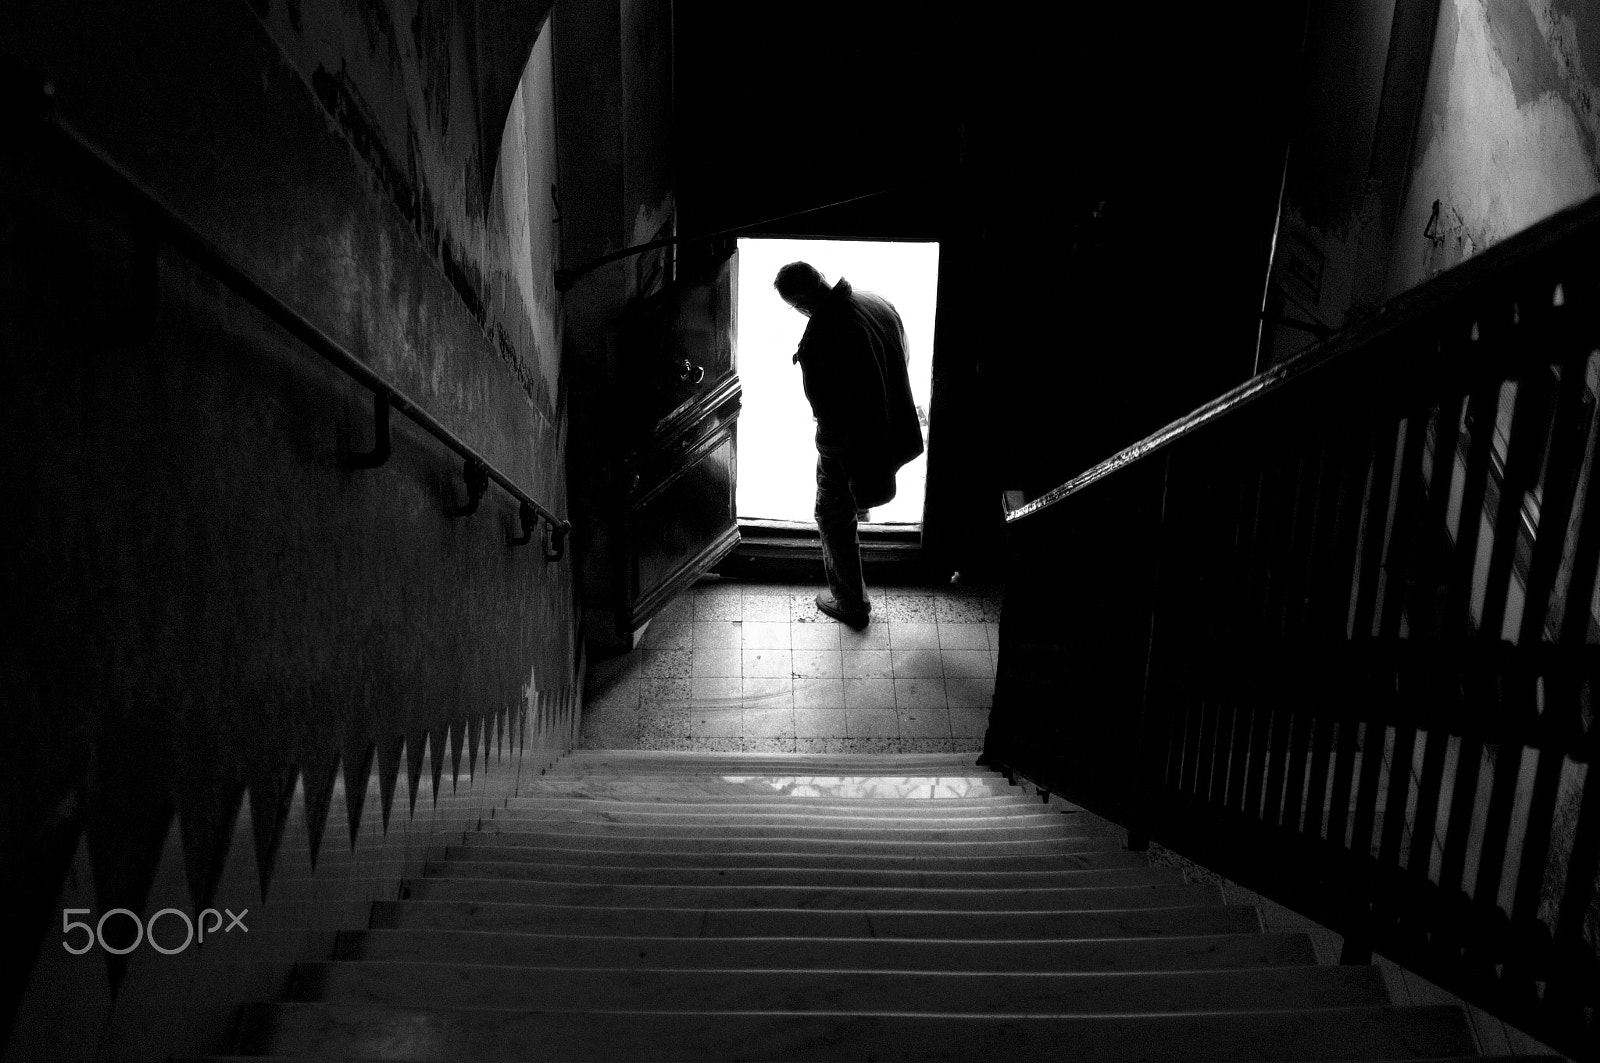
683	906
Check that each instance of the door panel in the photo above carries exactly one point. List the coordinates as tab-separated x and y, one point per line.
682	390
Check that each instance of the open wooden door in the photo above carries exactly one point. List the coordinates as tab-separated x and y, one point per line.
681	385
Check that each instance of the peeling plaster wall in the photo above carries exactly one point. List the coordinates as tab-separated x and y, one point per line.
1328	208
245	675
1509	129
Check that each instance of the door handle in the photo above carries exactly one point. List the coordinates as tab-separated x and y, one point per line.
690	373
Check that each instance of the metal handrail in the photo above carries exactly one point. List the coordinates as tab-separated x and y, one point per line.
180	234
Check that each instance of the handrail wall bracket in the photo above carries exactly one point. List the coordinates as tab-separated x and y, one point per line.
381	450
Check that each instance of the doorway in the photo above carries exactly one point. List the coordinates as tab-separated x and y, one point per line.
777	459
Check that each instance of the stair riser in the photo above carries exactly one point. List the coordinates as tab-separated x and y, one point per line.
1104	955
328	1030
653	922
823	876
731	844
539	794
500	891
477	849
486	986
850	832
605	812
694	787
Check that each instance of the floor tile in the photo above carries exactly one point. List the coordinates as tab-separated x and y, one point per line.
618	692
768	664
929	721
919	693
718	607
679	610
913	636
875	636
665	663
710	692
803	609
711	722
918	664
818	723
767	693
822	745
667	635
867	664
959	608
760	744
959	636
873	722
913	608
769	722
766	634
967	664
970	693
868	694
814	636
610	727
747	666
817	664
709	633
768	608
819	694
717	661
968	722
660	692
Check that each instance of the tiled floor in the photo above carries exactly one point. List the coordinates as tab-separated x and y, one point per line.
755	666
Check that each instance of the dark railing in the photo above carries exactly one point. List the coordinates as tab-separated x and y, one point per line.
477	472
1289	636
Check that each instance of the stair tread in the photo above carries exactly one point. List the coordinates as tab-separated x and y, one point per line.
791	922
1175	952
580	989
1012	818
490	834
844	831
746	784
1367	1033
479	849
791	876
584	789
830	807
814	898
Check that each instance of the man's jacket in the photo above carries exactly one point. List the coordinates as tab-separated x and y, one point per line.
853	358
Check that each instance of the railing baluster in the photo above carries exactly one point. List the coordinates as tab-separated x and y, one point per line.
1371	692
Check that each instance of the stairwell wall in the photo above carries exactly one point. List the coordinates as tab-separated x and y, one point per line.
242	675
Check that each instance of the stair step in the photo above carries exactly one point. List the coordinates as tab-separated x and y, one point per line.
487	1036
589	760
478	849
1059	827
811	898
632	874
698	785
491	834
1199	952
920	814
537	791
558	989
790	922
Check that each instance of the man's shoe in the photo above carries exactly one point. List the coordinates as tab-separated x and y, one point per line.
830	605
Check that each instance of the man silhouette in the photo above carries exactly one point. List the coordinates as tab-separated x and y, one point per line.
853	363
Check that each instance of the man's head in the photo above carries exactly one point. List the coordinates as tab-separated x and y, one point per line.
801	286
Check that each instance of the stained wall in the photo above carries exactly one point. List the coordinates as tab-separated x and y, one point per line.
1426	131
245	675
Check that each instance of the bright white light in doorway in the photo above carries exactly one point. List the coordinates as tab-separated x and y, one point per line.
777	457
